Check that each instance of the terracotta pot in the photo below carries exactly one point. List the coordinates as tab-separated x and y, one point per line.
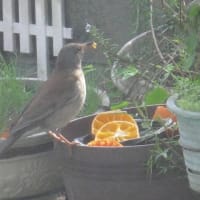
113	173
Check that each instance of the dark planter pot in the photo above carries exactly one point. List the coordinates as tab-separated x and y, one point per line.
96	173
29	168
29	171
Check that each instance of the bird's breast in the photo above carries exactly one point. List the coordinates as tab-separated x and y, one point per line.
72	107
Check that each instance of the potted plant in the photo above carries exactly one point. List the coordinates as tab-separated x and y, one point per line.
186	106
186	92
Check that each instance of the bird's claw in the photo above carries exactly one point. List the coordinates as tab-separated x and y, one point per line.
59	137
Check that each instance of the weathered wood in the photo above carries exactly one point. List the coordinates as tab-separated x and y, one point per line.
41	40
8	15
57	26
24	19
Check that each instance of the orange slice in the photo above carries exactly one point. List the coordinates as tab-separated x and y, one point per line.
104	143
104	117
118	130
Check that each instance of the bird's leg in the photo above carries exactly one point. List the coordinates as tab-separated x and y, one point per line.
66	140
55	136
58	136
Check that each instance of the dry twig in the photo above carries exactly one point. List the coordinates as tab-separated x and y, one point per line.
154	35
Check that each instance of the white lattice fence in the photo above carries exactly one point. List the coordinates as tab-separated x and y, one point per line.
31	20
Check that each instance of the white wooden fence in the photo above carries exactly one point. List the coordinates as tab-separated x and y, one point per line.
31	20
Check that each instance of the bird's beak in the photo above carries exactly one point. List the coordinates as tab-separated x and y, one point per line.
91	45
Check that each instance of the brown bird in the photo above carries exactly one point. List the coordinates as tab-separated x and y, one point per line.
58	100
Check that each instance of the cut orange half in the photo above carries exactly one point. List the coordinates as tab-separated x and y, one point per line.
105	117
118	130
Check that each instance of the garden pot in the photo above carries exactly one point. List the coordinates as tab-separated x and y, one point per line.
28	172
189	126
113	173
193	178
28	168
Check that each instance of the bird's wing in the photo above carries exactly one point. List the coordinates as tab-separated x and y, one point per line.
54	93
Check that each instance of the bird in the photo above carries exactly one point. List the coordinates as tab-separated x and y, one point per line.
58	100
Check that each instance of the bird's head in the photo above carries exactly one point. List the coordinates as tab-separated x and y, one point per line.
71	55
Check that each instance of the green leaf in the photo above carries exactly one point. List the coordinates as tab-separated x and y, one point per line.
128	72
156	96
120	105
88	68
194	9
188	61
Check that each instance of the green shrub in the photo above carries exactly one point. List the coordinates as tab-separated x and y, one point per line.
188	90
12	93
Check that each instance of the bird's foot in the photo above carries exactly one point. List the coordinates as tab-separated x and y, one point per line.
59	137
